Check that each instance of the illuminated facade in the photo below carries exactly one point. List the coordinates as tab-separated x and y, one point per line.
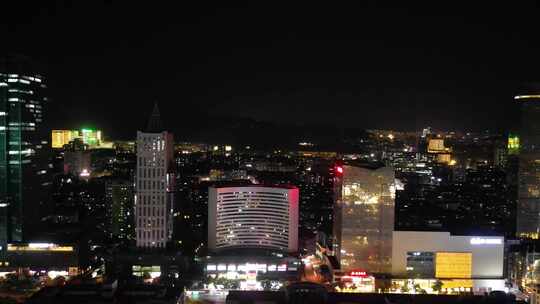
253	217
154	185
59	138
437	146
364	217
40	247
54	259
90	137
528	208
22	141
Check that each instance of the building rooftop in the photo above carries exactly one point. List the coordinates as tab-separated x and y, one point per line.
373	165
232	184
155	124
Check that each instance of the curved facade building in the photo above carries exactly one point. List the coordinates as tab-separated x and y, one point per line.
253	217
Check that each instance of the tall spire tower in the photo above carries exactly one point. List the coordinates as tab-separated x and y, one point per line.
154	184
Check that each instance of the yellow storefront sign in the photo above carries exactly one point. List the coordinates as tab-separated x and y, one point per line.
457	283
453	265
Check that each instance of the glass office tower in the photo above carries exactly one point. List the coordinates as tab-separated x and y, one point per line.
528	208
366	217
21	145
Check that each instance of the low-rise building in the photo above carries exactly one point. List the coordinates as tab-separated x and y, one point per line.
460	263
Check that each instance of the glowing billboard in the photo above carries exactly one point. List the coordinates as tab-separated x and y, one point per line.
453	265
513	144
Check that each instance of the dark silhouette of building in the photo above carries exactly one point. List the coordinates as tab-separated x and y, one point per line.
528	210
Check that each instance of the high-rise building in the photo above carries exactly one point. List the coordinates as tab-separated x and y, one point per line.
154	185
253	216
22	144
528	209
119	196
364	217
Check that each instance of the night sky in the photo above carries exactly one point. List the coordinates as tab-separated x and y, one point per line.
447	66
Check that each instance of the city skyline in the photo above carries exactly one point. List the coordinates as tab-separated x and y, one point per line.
179	153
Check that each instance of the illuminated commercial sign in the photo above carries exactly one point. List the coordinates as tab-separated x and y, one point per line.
453	265
39	247
358	274
457	283
247	267
527	97
513	144
484	241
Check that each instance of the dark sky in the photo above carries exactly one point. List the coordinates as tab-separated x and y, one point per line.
445	65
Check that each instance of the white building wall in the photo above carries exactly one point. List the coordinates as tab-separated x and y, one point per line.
487	259
253	217
154	196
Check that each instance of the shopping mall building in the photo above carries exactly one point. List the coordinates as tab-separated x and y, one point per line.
459	263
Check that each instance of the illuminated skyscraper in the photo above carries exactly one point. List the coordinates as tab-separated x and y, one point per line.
253	216
528	208
22	141
364	217
154	185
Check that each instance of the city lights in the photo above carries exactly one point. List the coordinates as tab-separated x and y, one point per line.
388	152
